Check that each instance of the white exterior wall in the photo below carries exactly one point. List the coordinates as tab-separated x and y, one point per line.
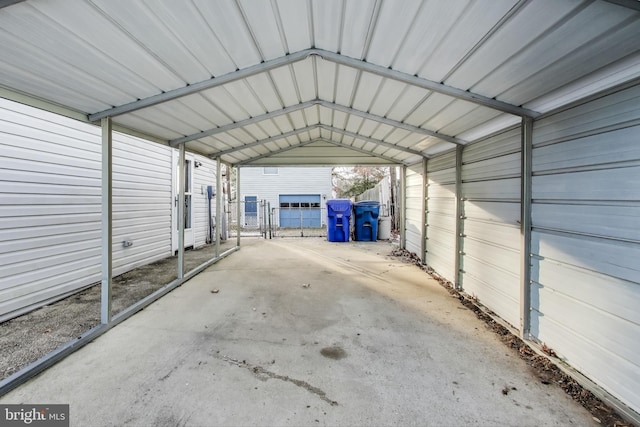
50	204
203	176
586	239
413	219
441	214
490	263
49	207
289	180
141	202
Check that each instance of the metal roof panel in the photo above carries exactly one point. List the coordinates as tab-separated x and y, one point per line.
223	101
285	85
579	33
345	84
304	73
157	37
262	85
428	108
534	20
261	17
328	24
359	18
227	23
367	87
170	69
326	72
435	21
394	21
89	23
478	20
295	16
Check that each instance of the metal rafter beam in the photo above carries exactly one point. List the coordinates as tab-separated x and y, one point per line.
372	140
5	3
328	141
203	85
391	122
631	4
307	104
263	141
312	127
242	123
275	152
329	56
425	84
360	150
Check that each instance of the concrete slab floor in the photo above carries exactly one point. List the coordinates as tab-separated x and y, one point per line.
370	341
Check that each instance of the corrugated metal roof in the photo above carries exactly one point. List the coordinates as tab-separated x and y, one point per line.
318	81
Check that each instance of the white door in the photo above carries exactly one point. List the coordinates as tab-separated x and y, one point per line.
188	201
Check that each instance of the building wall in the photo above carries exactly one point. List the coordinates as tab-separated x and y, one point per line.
203	176
490	261
50	205
288	180
586	239
441	214
414	200
585	246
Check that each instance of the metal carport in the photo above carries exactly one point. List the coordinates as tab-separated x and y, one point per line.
327	82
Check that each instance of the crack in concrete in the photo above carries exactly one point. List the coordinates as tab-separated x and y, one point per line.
263	375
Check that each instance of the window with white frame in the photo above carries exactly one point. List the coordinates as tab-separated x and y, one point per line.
270	171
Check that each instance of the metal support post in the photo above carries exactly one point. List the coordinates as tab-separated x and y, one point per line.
301	222
263	223
181	210
459	220
269	213
425	226
218	204
525	227
238	207
107	221
403	207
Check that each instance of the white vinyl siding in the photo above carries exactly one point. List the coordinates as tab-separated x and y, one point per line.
203	176
50	205
288	181
491	210
141	202
586	239
441	214
414	206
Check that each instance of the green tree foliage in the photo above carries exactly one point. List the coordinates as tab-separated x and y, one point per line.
350	182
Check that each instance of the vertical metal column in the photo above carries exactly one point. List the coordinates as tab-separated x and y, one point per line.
459	220
423	246
403	207
181	182
269	213
107	221
525	227
238	207
218	204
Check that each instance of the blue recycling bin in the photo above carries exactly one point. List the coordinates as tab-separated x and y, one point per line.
366	221
338	214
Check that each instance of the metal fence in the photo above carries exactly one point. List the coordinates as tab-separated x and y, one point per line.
261	219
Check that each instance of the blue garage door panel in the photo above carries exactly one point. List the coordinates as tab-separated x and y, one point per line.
298	210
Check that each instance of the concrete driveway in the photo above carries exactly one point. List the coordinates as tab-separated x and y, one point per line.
369	341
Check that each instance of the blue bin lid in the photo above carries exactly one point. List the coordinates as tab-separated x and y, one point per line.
339	205
368	203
